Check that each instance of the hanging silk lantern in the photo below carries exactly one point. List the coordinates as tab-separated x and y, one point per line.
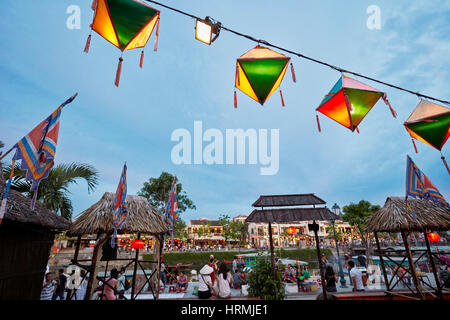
291	230
259	73
127	24
349	101
429	123
433	236
137	244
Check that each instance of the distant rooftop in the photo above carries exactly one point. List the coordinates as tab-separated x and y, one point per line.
288	200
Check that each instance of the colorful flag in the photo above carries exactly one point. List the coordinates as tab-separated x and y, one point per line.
120	209
37	152
419	186
172	207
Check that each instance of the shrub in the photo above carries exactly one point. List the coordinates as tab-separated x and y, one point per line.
261	281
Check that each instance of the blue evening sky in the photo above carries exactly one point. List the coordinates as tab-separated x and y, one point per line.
42	63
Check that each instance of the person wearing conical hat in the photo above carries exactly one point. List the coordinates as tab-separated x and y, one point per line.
205	284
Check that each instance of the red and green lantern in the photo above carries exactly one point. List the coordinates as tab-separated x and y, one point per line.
349	101
127	24
429	123
259	73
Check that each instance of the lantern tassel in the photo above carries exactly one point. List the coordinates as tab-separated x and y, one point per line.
238	78
94	5
88	44
293	73
414	144
235	99
282	100
156	37
318	122
119	71
357	130
445	163
394	114
141	62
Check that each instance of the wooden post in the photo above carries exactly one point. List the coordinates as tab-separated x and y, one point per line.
157	257
315	227
412	265
93	270
271	252
433	267
77	249
136	261
386	281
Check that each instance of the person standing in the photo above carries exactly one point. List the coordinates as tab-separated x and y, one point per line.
235	265
121	280
331	279
355	276
110	286
48	287
163	274
61	286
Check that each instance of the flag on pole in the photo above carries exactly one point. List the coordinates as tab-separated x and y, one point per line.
172	207
419	186
120	209
37	153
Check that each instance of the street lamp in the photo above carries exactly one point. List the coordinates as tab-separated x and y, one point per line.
337	211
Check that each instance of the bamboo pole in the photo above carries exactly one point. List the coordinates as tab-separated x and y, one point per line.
433	267
386	281
159	248
412	265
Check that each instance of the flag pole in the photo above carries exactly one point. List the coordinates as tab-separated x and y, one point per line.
7	152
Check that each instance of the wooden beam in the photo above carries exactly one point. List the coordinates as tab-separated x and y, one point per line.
412	265
386	281
271	252
136	261
433	267
93	270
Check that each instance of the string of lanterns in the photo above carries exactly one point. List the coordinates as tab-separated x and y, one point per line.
260	71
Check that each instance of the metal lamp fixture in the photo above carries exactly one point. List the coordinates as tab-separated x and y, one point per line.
204	30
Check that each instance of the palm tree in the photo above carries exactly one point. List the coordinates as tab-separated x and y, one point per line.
53	191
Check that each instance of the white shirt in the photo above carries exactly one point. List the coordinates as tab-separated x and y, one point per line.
235	265
224	285
204	280
356	273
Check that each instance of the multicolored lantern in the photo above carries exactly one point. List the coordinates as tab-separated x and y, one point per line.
429	123
291	230
349	101
259	73
127	24
433	236
137	244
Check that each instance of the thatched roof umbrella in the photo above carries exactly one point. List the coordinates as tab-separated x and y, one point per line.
395	216
141	218
26	237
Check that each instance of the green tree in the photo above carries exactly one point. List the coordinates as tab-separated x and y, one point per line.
156	191
262	283
357	216
225	222
53	191
179	228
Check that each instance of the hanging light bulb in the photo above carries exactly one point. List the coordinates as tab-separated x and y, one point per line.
204	30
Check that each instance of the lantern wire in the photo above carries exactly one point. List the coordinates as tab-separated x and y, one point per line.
300	55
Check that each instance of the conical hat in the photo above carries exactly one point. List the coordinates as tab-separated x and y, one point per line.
206	269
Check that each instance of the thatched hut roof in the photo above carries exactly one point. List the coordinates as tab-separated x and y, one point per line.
18	210
291	215
142	218
394	216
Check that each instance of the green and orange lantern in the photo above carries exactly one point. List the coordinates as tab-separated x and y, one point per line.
259	73
429	123
349	101
127	24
